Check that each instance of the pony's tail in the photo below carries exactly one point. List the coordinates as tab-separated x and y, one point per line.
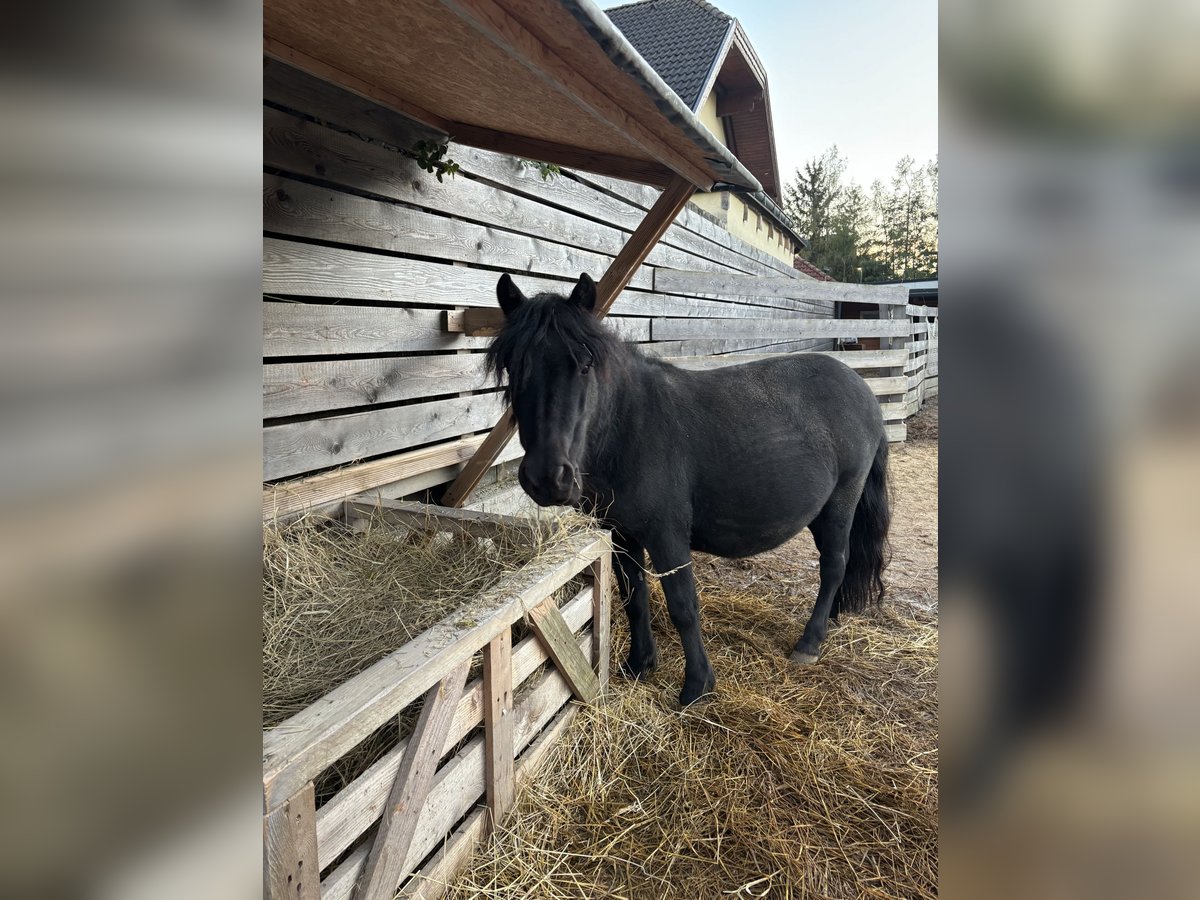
862	585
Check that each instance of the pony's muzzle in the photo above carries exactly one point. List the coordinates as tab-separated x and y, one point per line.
553	484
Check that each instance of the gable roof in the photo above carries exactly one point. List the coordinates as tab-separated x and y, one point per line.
682	40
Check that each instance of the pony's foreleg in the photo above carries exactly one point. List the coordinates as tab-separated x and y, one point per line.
831	533
631	578
679	585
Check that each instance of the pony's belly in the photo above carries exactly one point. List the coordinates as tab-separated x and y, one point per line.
734	537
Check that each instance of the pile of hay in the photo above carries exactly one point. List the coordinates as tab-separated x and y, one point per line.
793	782
337	598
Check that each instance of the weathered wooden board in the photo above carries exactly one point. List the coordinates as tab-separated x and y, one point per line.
498	724
548	623
307	329
296	388
295	145
289	842
855	359
297	447
674	281
298	209
778	329
312	270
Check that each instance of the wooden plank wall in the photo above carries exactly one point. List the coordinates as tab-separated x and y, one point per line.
365	254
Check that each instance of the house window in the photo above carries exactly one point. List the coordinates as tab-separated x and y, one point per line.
770	232
757	222
745	211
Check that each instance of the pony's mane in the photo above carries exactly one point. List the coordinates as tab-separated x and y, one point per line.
549	319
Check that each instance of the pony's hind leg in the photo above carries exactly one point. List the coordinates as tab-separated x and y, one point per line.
831	533
631	578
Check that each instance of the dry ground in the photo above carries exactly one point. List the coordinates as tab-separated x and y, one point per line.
817	781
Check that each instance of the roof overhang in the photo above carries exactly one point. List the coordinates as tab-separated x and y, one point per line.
551	80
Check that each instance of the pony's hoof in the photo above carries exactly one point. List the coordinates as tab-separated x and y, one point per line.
690	695
804	658
636	670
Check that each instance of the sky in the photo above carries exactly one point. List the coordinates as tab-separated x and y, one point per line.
861	74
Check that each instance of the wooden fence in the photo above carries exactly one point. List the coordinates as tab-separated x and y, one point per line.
495	728
921	370
370	265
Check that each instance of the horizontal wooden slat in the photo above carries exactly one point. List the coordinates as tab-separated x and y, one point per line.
303	745
918	311
291	389
686	329
861	359
320	492
307	329
675	281
319	443
298	209
312	270
437	518
882	387
358	806
295	145
896	433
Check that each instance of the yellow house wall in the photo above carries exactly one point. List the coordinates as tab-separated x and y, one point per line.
729	208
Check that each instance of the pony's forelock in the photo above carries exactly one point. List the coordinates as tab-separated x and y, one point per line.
548	320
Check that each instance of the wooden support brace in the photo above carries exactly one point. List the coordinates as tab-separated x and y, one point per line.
385	864
290	867
653	226
554	633
498	724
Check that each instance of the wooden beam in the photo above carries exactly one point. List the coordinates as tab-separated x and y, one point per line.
385	863
632	255
560	154
290	868
547	622
498	724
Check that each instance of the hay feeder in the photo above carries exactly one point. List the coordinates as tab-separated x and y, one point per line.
413	816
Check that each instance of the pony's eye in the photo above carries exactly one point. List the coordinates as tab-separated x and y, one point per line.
585	368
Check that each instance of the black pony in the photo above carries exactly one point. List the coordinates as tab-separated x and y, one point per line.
733	461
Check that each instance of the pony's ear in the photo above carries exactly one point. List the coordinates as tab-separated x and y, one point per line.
508	294
585	293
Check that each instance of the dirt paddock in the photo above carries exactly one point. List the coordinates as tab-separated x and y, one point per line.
816	781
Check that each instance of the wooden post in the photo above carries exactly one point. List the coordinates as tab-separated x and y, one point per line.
290	867
897	311
653	226
498	724
601	572
385	864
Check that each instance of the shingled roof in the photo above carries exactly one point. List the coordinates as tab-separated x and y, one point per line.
682	41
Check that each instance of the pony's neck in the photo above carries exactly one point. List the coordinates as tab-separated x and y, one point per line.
627	397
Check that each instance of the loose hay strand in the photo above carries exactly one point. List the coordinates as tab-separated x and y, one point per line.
818	781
